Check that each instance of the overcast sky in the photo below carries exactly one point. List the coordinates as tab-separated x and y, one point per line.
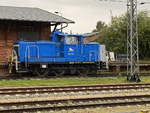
85	13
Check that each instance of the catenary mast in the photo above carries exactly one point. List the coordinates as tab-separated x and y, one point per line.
132	42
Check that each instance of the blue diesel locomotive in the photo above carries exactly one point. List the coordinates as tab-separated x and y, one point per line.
65	53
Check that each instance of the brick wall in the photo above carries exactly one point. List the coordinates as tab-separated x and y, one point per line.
9	35
5	53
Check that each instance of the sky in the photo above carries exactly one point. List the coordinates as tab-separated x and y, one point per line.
85	13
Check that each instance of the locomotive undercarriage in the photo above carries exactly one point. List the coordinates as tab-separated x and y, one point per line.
58	69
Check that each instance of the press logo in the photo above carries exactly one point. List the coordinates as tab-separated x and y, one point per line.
71	50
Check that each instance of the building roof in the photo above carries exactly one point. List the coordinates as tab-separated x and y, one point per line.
91	37
91	34
30	14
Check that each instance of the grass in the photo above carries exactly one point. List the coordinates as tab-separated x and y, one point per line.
123	72
67	81
145	60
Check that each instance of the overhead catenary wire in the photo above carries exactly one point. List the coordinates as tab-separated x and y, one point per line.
140	2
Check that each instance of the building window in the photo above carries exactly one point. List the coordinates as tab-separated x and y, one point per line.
28	33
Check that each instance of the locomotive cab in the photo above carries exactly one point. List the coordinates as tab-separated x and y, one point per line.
72	46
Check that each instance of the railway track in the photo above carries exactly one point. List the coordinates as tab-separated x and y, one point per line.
31	77
74	103
83	88
29	104
24	77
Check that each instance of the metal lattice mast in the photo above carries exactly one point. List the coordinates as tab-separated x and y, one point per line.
132	42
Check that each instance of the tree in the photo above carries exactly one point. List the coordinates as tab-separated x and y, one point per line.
114	35
100	25
144	34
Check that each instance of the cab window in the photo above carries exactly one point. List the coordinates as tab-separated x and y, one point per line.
71	40
60	39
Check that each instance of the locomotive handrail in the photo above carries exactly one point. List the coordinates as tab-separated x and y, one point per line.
16	59
27	52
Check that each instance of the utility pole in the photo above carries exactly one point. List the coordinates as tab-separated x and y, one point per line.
132	42
111	15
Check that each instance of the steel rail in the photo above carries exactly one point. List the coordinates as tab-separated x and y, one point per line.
74	86
72	89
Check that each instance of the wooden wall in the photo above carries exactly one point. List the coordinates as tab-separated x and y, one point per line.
90	38
9	34
45	31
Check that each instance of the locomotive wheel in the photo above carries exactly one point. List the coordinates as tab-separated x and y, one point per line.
41	72
59	72
83	72
73	71
93	72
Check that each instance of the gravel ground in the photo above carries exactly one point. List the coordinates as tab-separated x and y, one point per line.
126	109
118	109
72	96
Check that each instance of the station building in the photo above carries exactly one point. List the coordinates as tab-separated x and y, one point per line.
22	23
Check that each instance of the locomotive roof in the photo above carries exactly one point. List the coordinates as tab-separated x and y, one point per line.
30	14
66	34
